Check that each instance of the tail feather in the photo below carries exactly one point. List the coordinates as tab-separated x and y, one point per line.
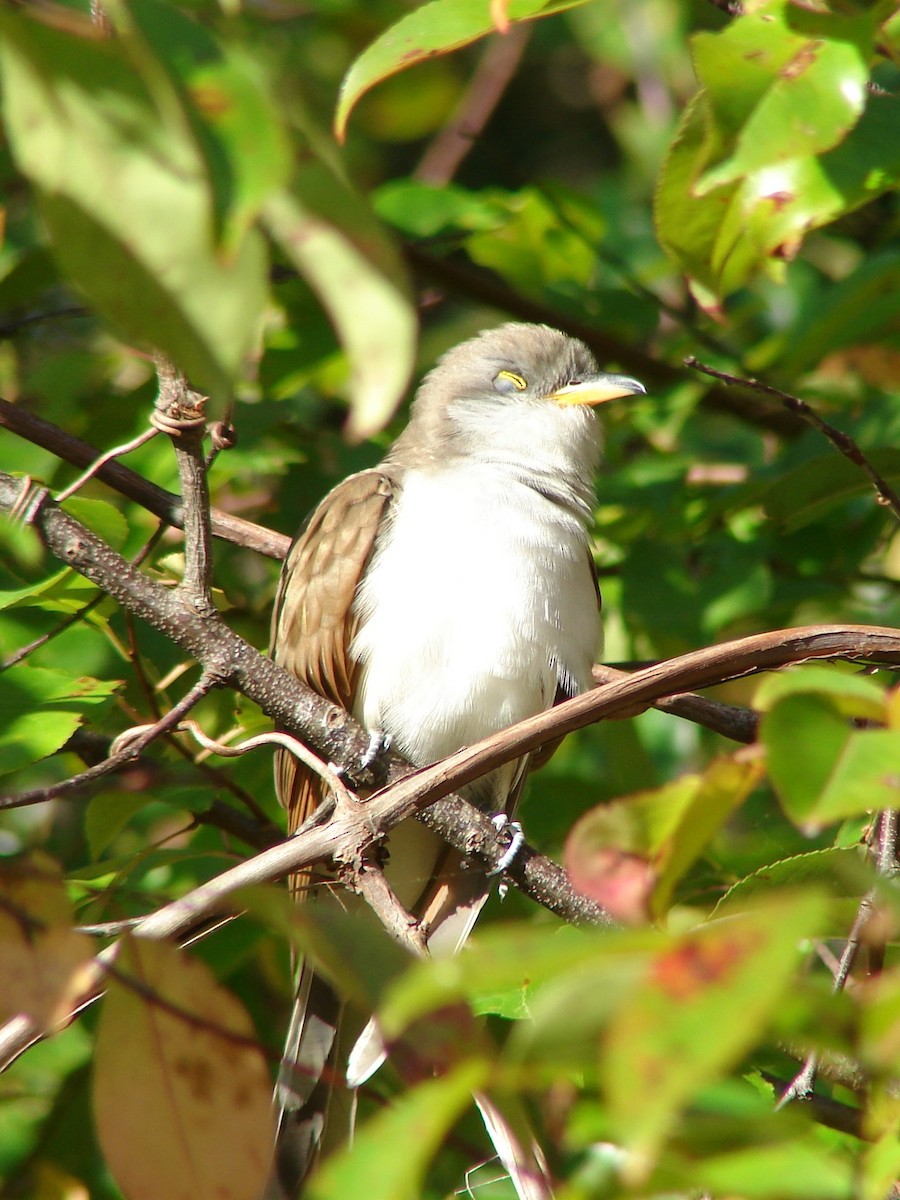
518	1151
304	1086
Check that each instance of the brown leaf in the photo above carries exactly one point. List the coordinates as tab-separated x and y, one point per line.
44	963
181	1095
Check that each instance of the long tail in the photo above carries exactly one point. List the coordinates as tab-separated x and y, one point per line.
305	1084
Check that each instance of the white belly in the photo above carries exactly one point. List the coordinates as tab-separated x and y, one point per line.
476	607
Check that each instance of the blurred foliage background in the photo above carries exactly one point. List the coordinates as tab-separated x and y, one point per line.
662	177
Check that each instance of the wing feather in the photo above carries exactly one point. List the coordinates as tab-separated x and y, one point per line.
314	622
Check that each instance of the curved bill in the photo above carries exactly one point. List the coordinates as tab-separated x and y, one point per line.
597	389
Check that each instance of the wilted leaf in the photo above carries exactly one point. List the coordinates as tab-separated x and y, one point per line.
44	963
182	1096
629	855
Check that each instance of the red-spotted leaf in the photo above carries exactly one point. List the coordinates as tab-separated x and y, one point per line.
703	1002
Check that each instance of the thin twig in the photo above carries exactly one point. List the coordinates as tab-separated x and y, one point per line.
118	756
841	441
802	1085
302	753
729	720
126	482
498	64
371	883
116	452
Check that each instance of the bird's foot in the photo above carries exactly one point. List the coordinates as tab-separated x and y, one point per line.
516	835
379	745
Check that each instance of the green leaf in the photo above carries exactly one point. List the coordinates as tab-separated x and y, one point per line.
860	310
852	693
821	767
781	140
789	1170
65	592
841	871
332	239
782	83
374	1167
520	956
810	491
679	1030
125	192
244	148
40	709
424	210
101	517
435	28
107	815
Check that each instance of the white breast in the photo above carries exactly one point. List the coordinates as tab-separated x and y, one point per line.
472	611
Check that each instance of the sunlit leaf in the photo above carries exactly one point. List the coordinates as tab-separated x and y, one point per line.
125	192
182	1096
782	83
100	517
781	140
244	148
40	709
823	767
853	693
434	28
333	241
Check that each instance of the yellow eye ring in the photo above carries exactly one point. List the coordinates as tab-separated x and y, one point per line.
503	380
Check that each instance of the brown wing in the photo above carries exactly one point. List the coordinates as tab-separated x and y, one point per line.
543	754
313	623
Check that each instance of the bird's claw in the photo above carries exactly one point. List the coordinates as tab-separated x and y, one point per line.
516	835
379	744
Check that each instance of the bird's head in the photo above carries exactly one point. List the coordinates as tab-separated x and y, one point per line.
517	384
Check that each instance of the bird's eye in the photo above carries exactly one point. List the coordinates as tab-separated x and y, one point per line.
509	381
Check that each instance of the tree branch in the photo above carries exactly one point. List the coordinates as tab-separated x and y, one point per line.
841	441
161	503
179	412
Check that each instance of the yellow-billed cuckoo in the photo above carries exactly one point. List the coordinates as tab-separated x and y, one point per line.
440	597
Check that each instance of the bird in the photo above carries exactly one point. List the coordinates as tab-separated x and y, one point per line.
439	597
